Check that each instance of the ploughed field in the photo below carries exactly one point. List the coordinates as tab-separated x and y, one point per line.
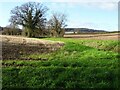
93	36
15	47
77	63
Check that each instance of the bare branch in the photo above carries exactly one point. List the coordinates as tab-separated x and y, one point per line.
29	15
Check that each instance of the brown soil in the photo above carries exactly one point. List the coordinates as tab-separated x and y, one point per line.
14	47
108	36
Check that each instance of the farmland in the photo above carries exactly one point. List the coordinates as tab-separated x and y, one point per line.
79	63
94	36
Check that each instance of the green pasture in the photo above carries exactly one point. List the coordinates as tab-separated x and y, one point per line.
78	64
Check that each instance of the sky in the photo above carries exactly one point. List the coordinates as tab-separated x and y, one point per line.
94	14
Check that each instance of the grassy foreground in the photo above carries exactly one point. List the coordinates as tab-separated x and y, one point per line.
79	64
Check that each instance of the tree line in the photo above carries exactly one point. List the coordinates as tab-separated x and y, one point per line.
31	16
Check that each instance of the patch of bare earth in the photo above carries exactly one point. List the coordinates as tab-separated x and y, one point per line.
108	36
14	47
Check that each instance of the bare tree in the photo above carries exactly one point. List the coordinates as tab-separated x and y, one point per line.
31	16
56	24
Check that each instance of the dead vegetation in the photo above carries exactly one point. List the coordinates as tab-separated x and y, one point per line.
14	47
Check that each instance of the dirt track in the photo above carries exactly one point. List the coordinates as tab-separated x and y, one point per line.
109	36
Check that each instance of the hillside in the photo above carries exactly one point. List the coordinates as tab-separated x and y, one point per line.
83	30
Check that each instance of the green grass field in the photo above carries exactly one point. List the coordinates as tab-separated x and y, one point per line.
79	64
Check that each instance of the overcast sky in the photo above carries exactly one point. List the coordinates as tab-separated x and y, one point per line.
95	14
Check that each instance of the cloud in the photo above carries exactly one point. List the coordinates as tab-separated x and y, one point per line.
60	0
99	5
109	6
83	0
103	5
